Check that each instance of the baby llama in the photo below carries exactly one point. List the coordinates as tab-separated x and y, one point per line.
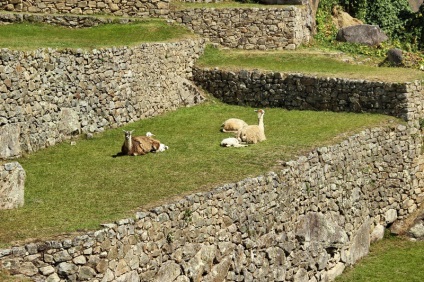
253	134
232	142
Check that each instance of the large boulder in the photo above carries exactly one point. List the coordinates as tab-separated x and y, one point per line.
365	34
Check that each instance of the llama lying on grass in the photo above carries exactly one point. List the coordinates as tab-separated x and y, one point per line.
138	145
162	146
233	125
253	134
232	142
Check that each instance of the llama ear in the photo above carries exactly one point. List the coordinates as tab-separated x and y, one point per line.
132	131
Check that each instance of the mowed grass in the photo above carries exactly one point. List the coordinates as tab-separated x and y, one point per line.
312	62
390	260
30	36
72	188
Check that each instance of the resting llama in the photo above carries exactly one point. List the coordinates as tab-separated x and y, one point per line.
232	142
233	125
253	134
138	145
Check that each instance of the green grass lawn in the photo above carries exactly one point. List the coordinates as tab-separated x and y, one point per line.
71	188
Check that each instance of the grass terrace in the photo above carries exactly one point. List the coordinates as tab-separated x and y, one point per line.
74	188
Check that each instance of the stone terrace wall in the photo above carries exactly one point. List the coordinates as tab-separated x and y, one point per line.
255	28
74	21
49	95
303	92
305	222
139	8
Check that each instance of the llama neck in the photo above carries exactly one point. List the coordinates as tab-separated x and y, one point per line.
261	122
128	143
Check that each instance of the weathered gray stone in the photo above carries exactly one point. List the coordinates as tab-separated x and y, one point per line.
360	243
12	185
28	269
335	271
317	227
86	273
377	233
10	146
200	263
66	269
395	57
363	34
69	122
390	216
169	271
417	231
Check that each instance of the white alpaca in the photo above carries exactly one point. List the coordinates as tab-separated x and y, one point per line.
232	142
233	125
253	134
162	147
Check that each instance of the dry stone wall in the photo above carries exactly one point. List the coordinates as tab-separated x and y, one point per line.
49	95
306	221
138	8
253	28
296	91
74	21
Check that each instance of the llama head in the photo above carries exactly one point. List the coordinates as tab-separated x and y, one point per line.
128	134
260	112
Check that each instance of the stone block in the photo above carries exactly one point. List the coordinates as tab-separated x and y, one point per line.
12	184
9	141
